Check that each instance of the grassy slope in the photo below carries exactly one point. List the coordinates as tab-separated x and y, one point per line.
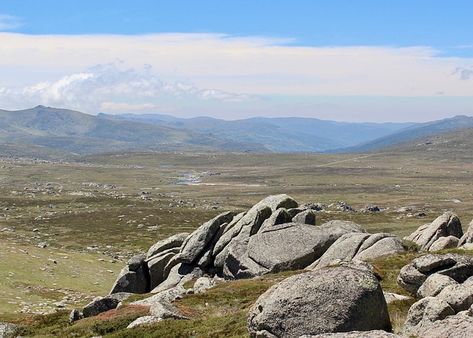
108	220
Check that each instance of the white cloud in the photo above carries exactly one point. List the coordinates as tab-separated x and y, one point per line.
112	88
9	22
202	74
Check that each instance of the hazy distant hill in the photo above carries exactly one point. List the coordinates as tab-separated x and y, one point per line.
415	132
292	134
75	132
444	147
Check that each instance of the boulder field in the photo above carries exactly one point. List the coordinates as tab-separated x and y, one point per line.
338	296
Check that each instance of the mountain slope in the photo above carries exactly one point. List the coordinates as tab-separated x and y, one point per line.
75	132
291	134
413	133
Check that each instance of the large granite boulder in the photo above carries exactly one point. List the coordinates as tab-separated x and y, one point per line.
434	284
174	241
290	246
157	264
424	312
458	326
360	246
196	242
102	304
444	243
134	277
336	299
445	225
467	237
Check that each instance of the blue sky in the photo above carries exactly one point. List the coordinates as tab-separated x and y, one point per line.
346	60
440	24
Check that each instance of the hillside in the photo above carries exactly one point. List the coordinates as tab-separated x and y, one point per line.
452	146
73	132
291	134
415	132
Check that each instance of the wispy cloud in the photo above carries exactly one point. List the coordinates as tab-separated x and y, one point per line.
9	22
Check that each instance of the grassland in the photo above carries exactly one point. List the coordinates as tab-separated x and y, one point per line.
95	213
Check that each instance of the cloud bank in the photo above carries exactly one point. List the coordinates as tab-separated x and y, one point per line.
216	74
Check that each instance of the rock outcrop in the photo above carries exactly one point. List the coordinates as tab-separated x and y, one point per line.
414	274
445	225
335	299
360	246
445	284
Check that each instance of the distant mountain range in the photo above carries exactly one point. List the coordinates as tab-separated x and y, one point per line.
290	134
56	133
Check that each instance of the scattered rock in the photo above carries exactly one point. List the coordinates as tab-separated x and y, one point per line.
102	304
145	320
355	334
8	330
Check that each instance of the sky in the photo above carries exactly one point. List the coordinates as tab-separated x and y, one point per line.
342	60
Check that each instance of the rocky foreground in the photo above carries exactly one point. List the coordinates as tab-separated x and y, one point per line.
339	295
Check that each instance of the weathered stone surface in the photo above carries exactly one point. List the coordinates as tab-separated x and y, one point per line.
289	246
334	299
445	225
103	304
434	284
250	223
414	274
394	297
174	241
444	243
8	330
458	296
74	316
360	246
197	241
145	320
457	326
178	275
467	237
202	284
355	334
340	228
136	262
280	216
156	267
238	264
424	312
134	277
305	217
253	219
